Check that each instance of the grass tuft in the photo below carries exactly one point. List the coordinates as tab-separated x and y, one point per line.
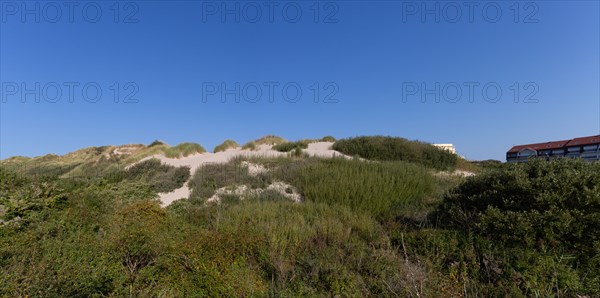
266	140
228	144
183	150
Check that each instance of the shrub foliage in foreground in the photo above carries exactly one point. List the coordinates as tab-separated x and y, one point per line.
547	214
515	231
113	239
390	148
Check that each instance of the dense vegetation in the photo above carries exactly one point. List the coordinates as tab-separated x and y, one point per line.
390	148
162	178
378	229
546	218
373	188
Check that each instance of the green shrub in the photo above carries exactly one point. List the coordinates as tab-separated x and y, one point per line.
289	146
327	139
162	177
171	180
227	144
23	201
183	150
146	168
540	209
397	149
133	237
297	152
510	204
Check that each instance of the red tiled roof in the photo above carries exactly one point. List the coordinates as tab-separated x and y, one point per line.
558	144
540	146
584	141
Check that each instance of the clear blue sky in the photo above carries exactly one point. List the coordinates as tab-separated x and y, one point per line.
370	54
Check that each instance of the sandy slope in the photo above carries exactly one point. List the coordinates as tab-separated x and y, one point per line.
319	149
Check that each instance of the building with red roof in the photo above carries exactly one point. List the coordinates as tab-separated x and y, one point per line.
587	148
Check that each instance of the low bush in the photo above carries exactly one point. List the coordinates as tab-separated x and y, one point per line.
289	146
548	211
24	200
327	139
162	177
397	149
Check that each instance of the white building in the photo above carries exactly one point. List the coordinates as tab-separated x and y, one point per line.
448	147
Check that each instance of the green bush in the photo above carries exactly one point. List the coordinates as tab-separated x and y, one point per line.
540	209
289	146
227	144
162	177
511	204
327	139
397	149
183	150
23	201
